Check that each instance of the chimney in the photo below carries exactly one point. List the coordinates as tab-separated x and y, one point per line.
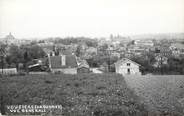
63	60
49	61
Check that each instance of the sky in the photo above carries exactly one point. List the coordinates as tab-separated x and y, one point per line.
89	18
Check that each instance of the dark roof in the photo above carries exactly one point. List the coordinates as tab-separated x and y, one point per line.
2	52
82	65
124	60
56	61
71	61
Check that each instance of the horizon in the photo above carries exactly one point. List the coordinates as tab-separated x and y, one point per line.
90	18
135	36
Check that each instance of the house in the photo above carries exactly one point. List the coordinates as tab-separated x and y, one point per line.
179	46
10	39
104	67
143	42
127	67
36	68
136	50
63	64
160	60
163	51
83	66
89	52
177	49
116	54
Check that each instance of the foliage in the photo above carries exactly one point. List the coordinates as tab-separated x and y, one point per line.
23	54
78	51
145	61
98	60
174	65
69	40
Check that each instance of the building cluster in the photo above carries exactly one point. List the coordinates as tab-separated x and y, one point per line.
10	39
72	58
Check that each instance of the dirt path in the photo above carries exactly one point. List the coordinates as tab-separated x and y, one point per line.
162	94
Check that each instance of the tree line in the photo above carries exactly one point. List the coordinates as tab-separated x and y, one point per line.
21	54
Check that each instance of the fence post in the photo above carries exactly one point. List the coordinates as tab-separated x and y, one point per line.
2	63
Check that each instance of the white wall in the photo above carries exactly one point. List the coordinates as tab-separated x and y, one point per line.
122	68
8	71
65	71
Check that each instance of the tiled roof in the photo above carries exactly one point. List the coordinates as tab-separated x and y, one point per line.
124	60
56	61
71	61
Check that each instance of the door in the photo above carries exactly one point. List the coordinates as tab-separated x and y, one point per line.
128	71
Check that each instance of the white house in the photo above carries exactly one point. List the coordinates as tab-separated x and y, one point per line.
127	67
144	42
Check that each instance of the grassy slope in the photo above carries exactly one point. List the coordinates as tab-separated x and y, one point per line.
85	94
164	93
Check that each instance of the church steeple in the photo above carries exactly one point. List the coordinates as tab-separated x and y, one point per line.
10	37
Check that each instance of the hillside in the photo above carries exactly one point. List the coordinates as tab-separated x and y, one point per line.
79	95
159	36
163	94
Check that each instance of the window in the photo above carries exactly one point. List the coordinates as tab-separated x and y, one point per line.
128	64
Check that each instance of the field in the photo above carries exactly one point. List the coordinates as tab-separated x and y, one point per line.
164	95
80	95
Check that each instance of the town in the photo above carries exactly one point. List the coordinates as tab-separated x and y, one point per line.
159	54
113	76
92	57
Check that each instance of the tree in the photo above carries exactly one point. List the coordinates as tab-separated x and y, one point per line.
146	61
91	43
78	52
23	54
35	52
176	65
2	55
15	56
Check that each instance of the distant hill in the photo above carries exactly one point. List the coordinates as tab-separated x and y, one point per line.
159	36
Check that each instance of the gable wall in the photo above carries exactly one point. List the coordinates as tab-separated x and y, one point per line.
122	68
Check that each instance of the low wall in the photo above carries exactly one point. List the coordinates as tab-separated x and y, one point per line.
65	70
8	71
